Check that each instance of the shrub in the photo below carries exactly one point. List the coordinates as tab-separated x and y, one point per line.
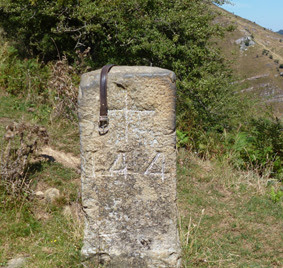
276	195
63	90
265	52
19	146
54	84
27	77
260	147
281	66
175	35
247	42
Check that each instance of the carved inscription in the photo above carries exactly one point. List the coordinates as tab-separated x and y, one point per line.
119	166
128	114
132	117
157	166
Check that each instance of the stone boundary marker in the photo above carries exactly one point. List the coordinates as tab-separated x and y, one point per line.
129	174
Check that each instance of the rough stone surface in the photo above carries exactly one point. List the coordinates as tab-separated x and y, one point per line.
129	174
39	194
245	42
51	195
16	262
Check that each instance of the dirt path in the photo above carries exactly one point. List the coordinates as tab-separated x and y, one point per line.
259	41
274	54
66	159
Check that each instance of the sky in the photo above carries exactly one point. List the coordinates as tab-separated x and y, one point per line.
266	13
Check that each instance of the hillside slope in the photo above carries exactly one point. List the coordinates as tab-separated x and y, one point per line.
227	217
256	55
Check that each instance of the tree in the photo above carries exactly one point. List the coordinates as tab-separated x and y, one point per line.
172	34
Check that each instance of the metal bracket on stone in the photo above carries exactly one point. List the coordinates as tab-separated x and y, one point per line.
103	117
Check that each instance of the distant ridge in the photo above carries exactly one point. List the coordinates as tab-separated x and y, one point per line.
256	63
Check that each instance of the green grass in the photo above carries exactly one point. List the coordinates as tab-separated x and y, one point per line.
29	227
64	135
16	108
227	218
43	232
230	217
46	244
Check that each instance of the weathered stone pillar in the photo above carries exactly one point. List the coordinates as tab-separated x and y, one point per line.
129	174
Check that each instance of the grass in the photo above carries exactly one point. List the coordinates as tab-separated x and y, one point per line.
52	243
64	135
49	235
252	62
44	233
227	218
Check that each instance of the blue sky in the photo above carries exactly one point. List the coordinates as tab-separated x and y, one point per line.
266	13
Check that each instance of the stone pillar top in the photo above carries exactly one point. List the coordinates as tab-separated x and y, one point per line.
134	70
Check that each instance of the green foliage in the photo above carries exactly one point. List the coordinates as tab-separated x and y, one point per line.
259	147
276	195
265	52
53	85
170	34
54	27
182	138
25	77
247	42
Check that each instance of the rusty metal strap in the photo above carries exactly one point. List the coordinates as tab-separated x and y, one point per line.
103	117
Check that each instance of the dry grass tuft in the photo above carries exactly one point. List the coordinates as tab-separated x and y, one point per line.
227	216
20	144
64	90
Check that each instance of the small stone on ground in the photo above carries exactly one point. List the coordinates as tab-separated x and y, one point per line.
51	195
16	262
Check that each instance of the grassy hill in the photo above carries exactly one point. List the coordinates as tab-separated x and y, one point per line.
256	54
227	217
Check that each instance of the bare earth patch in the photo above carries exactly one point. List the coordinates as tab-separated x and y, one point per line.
5	121
66	159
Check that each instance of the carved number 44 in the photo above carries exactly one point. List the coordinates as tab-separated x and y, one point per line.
155	168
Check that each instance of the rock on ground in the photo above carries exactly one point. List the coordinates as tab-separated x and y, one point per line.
51	195
16	262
